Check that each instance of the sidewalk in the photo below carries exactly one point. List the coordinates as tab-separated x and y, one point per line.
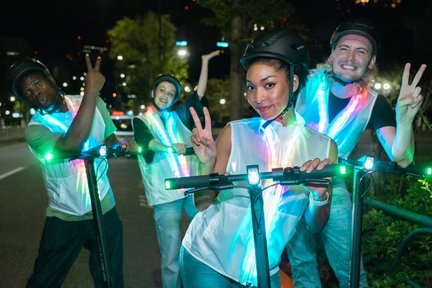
11	134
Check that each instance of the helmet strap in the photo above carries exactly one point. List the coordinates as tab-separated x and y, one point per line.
342	82
290	100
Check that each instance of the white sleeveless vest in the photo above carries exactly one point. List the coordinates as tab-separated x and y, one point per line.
166	165
221	236
348	125
66	181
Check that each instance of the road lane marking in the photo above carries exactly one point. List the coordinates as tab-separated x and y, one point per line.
16	170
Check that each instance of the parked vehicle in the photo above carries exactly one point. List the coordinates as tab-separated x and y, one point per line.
124	125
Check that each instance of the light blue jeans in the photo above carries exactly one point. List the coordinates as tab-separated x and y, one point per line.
167	219
336	239
196	274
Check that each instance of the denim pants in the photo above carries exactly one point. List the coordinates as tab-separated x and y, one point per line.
336	239
196	274
167	219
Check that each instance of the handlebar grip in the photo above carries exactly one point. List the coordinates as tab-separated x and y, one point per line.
187	182
189	151
328	171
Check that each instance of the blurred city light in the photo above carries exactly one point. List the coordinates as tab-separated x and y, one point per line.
181	43
222	44
183	52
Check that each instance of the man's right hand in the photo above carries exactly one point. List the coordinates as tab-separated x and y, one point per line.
94	80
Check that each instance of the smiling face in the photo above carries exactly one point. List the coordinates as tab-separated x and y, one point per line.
40	92
351	57
268	88
164	94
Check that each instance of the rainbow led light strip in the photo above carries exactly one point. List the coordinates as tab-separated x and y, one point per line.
177	162
281	158
78	164
340	120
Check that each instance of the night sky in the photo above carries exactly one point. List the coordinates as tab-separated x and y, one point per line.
407	32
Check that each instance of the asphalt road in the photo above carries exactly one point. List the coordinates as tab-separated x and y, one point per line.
22	214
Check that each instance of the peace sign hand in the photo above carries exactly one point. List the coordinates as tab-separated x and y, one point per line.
202	139
410	99
94	80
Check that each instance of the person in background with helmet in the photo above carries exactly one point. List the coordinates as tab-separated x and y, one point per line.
65	125
338	102
163	131
217	250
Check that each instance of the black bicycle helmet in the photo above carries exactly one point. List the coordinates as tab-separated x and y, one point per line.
169	78
359	27
284	44
21	68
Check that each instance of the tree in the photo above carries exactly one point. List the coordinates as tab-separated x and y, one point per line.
236	20
216	91
147	45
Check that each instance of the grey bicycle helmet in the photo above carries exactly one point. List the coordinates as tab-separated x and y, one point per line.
21	68
359	27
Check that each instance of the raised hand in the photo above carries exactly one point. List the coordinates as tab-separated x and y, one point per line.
410	99
211	55
202	139
94	80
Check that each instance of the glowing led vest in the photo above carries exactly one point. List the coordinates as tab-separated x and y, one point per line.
348	125
221	236
166	165
66	180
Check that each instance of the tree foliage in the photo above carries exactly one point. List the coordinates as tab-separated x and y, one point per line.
383	235
270	14
236	20
147	45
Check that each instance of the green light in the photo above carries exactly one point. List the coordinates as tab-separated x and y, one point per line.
170	150
139	149
48	156
429	171
167	184
343	170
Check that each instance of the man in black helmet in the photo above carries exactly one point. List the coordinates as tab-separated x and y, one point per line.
338	101
218	249
164	131
65	125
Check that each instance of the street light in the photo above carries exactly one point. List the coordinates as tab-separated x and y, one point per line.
183	52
